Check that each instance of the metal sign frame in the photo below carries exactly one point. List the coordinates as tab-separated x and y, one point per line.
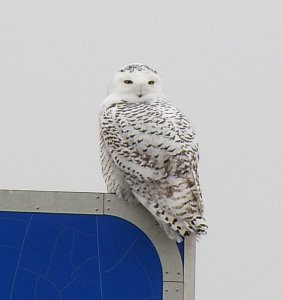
178	282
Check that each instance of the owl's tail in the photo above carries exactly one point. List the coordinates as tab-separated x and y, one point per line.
175	227
197	225
179	229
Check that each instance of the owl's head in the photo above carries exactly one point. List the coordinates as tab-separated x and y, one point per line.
135	82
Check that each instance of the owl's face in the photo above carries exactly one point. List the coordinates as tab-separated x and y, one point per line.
136	83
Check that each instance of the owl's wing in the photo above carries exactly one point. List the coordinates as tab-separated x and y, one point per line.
144	140
154	148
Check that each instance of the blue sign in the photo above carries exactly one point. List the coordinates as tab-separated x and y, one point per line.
73	257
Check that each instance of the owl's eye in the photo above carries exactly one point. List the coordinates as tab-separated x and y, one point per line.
151	82
128	81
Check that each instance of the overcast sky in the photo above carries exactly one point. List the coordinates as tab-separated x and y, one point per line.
222	66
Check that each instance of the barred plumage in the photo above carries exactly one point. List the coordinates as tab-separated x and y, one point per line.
149	152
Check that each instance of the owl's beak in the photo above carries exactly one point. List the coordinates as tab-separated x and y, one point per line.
140	92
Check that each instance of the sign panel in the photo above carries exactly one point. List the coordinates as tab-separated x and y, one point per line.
85	245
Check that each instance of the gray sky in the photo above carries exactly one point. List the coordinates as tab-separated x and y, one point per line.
222	65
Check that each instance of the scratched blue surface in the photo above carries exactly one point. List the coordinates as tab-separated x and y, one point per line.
65	257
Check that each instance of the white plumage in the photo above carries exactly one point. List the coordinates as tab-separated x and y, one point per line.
149	152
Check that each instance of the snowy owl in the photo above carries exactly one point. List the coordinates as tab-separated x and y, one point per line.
149	152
